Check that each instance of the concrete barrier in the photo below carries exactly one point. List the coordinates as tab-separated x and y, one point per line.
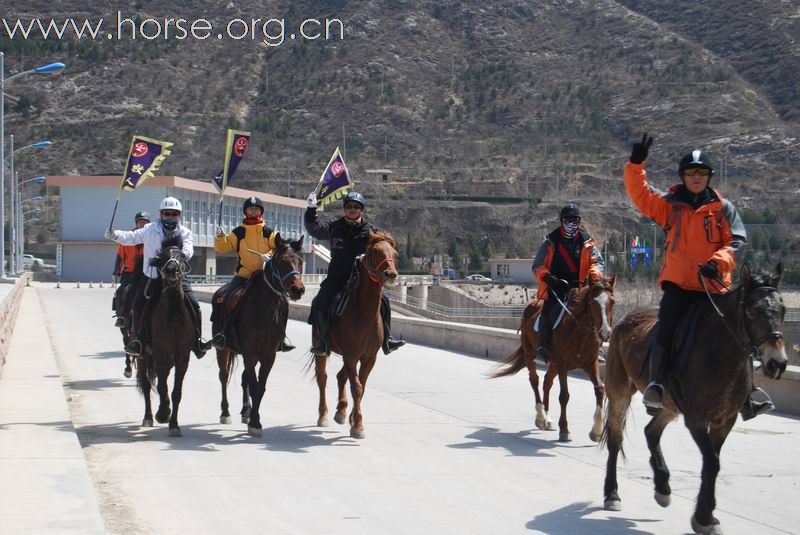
9	306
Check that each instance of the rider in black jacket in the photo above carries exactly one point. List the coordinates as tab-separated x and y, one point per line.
348	237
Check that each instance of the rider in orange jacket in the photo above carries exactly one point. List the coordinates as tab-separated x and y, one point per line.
566	259
128	266
704	238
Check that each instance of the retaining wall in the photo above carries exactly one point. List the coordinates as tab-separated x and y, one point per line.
9	306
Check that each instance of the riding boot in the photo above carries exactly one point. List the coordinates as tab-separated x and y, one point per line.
545	330
753	407
389	343
120	323
199	347
653	397
321	323
285	345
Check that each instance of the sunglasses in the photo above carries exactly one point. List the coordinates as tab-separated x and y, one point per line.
352	207
571	219
171	214
696	171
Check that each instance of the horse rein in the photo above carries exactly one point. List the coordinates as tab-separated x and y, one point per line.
374	274
568	311
279	290
183	267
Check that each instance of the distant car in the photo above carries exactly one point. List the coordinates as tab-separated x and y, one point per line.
31	262
477	277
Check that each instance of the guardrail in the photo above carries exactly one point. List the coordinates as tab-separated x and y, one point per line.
309	278
487	312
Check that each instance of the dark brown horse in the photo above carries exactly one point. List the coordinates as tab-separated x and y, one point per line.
358	333
258	327
575	344
172	334
710	391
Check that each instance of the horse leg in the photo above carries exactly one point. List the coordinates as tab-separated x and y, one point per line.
321	374
145	387
163	413
245	412
533	378
652	432
357	429
616	409
177	393
357	391
249	376
257	393
563	399
548	384
223	356
710	444
593	372
341	405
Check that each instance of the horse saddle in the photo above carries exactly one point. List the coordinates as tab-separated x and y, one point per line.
235	298
682	341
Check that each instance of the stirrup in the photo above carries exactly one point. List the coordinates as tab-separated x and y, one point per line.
218	341
285	346
542	354
321	349
653	397
134	348
120	322
199	348
754	407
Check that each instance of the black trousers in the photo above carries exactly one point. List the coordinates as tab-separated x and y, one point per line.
140	301
675	301
327	291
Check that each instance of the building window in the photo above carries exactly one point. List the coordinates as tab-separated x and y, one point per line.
503	271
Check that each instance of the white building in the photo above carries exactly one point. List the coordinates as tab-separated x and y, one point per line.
512	269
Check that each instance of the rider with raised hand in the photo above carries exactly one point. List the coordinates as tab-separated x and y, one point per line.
128	266
705	237
348	237
565	260
151	236
253	235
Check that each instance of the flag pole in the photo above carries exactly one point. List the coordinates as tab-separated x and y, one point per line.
114	213
219	221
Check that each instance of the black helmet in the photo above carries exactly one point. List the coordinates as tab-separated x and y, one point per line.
253	201
357	197
569	210
141	215
696	158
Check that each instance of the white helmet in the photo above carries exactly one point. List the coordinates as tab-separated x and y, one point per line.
170	203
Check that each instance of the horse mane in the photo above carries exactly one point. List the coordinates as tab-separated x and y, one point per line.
172	241
376	236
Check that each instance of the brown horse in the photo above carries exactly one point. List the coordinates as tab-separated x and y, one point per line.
718	376
257	329
357	335
575	344
172	334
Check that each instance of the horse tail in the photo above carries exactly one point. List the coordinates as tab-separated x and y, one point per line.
509	365
146	370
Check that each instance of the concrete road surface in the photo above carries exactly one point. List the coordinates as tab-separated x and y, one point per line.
447	451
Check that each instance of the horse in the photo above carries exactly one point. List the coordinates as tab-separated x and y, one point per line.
743	323
574	344
172	335
257	328
357	334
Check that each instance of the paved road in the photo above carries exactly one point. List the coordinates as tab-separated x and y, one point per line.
447	451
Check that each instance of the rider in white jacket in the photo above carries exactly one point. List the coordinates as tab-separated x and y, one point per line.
152	235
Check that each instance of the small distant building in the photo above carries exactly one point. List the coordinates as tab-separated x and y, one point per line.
83	253
511	269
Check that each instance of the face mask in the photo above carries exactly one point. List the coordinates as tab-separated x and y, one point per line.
169	224
569	228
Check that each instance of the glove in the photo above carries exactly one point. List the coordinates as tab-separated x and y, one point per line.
220	232
640	149
558	285
109	234
312	199
709	270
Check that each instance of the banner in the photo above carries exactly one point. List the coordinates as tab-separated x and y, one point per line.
334	182
236	145
144	158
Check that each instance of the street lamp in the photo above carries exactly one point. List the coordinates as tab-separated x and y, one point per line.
20	225
44	69
15	251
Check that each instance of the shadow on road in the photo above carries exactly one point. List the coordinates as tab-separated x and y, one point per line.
573	518
520	443
99	384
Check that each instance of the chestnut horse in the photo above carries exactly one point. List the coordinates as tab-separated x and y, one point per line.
172	335
357	334
258	327
731	329
574	344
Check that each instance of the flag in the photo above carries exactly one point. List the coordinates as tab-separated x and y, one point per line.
334	182
144	158
236	146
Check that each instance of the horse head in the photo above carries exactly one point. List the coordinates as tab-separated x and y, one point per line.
171	262
380	259
763	313
601	305
285	268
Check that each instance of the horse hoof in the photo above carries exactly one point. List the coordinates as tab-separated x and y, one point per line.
712	529
549	426
323	422
612	504
662	499
595	437
564	437
541	424
147	422
357	433
128	374
225	419
340	418
163	419
255	431
174	431
245	419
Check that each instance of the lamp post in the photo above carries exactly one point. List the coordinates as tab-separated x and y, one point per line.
15	251
44	69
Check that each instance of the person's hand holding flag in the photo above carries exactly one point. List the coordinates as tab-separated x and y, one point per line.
312	199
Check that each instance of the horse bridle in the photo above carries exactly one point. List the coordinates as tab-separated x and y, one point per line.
568	311
275	275
374	273
183	265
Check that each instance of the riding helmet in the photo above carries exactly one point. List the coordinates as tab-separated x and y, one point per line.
696	158
569	210
253	201
355	197
141	215
170	203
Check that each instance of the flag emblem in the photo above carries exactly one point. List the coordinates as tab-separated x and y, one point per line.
240	148
139	149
